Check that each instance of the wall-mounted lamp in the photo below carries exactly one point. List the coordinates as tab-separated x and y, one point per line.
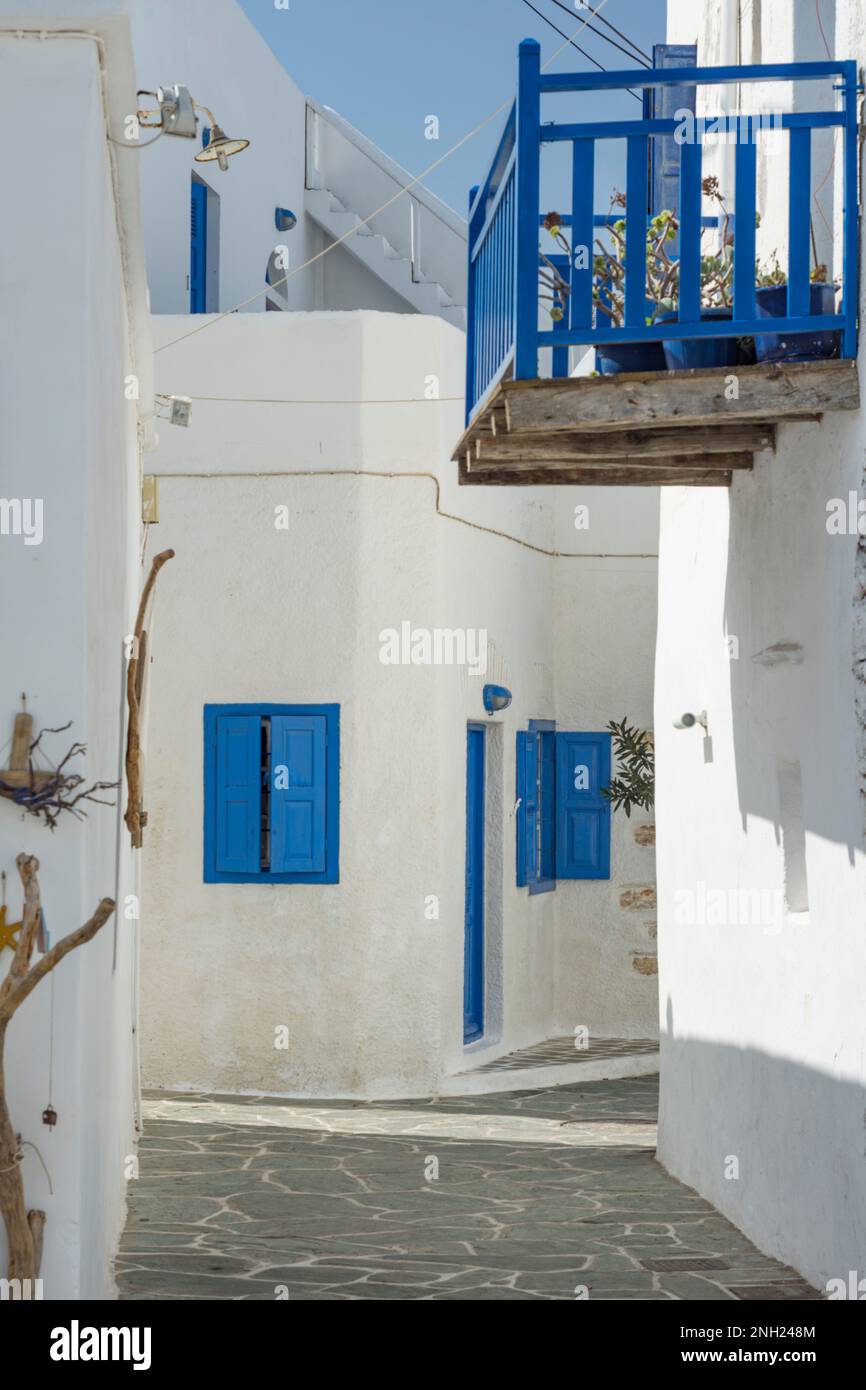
218	146
496	697
688	721
177	116
284	220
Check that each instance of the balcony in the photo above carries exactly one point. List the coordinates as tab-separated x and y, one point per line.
727	338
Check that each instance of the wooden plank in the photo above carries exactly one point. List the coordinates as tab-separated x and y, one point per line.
21	778
621	477
772	392
768	392
705	463
22	737
574	446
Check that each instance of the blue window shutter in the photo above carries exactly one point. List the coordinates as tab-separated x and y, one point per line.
662	103
547	778
582	813
527	811
299	809
238	794
198	248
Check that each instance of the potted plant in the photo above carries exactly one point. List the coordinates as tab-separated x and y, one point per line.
772	303
662	292
716	289
608	290
662	297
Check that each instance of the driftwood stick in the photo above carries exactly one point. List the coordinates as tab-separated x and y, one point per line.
24	1230
133	816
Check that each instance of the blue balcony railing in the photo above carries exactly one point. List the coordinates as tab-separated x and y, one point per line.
505	319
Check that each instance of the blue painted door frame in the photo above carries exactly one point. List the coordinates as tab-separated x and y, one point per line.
473	944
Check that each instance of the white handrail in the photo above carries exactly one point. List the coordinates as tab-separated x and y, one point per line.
422	195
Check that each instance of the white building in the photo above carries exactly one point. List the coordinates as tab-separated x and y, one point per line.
761	623
313	940
76	337
313	507
346	421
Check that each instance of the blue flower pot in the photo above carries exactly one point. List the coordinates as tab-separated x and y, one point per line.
611	359
772	301
688	354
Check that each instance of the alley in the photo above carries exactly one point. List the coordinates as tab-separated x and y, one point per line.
552	1195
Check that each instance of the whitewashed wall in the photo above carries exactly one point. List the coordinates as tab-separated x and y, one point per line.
73	325
762	1045
370	989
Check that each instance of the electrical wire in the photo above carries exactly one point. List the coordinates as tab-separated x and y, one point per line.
447	516
636	47
364	221
586	55
643	58
283	400
562	34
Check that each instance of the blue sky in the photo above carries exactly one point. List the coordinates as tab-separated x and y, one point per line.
387	64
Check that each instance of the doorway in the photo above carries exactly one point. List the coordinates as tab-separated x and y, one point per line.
473	944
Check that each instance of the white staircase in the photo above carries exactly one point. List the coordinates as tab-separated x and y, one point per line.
375	252
415	244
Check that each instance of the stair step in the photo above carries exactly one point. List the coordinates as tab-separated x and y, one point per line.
382	258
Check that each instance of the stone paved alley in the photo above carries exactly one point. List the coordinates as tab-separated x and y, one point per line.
539	1194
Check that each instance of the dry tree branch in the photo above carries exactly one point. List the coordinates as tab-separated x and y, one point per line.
47	794
24	1229
134	816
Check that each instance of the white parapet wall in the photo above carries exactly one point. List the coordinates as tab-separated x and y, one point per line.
327	415
76	354
762	877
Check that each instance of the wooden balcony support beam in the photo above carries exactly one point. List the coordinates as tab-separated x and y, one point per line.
601	468
622	474
713	409
567	447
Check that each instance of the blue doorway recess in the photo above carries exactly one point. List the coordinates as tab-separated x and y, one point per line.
473	948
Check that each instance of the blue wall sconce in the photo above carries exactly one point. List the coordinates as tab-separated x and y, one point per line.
496	697
284	220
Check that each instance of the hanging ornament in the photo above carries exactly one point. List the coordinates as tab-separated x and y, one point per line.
8	930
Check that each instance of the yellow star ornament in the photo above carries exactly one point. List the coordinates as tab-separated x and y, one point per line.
8	931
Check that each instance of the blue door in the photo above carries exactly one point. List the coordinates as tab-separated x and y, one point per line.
198	248
473	947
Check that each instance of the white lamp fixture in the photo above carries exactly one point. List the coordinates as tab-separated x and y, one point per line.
688	721
219	146
177	116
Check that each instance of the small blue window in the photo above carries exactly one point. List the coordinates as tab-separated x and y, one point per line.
563	821
271	793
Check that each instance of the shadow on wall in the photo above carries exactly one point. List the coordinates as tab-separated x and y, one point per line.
775	1145
788	616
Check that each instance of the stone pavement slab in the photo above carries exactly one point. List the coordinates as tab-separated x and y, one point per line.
546	1195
